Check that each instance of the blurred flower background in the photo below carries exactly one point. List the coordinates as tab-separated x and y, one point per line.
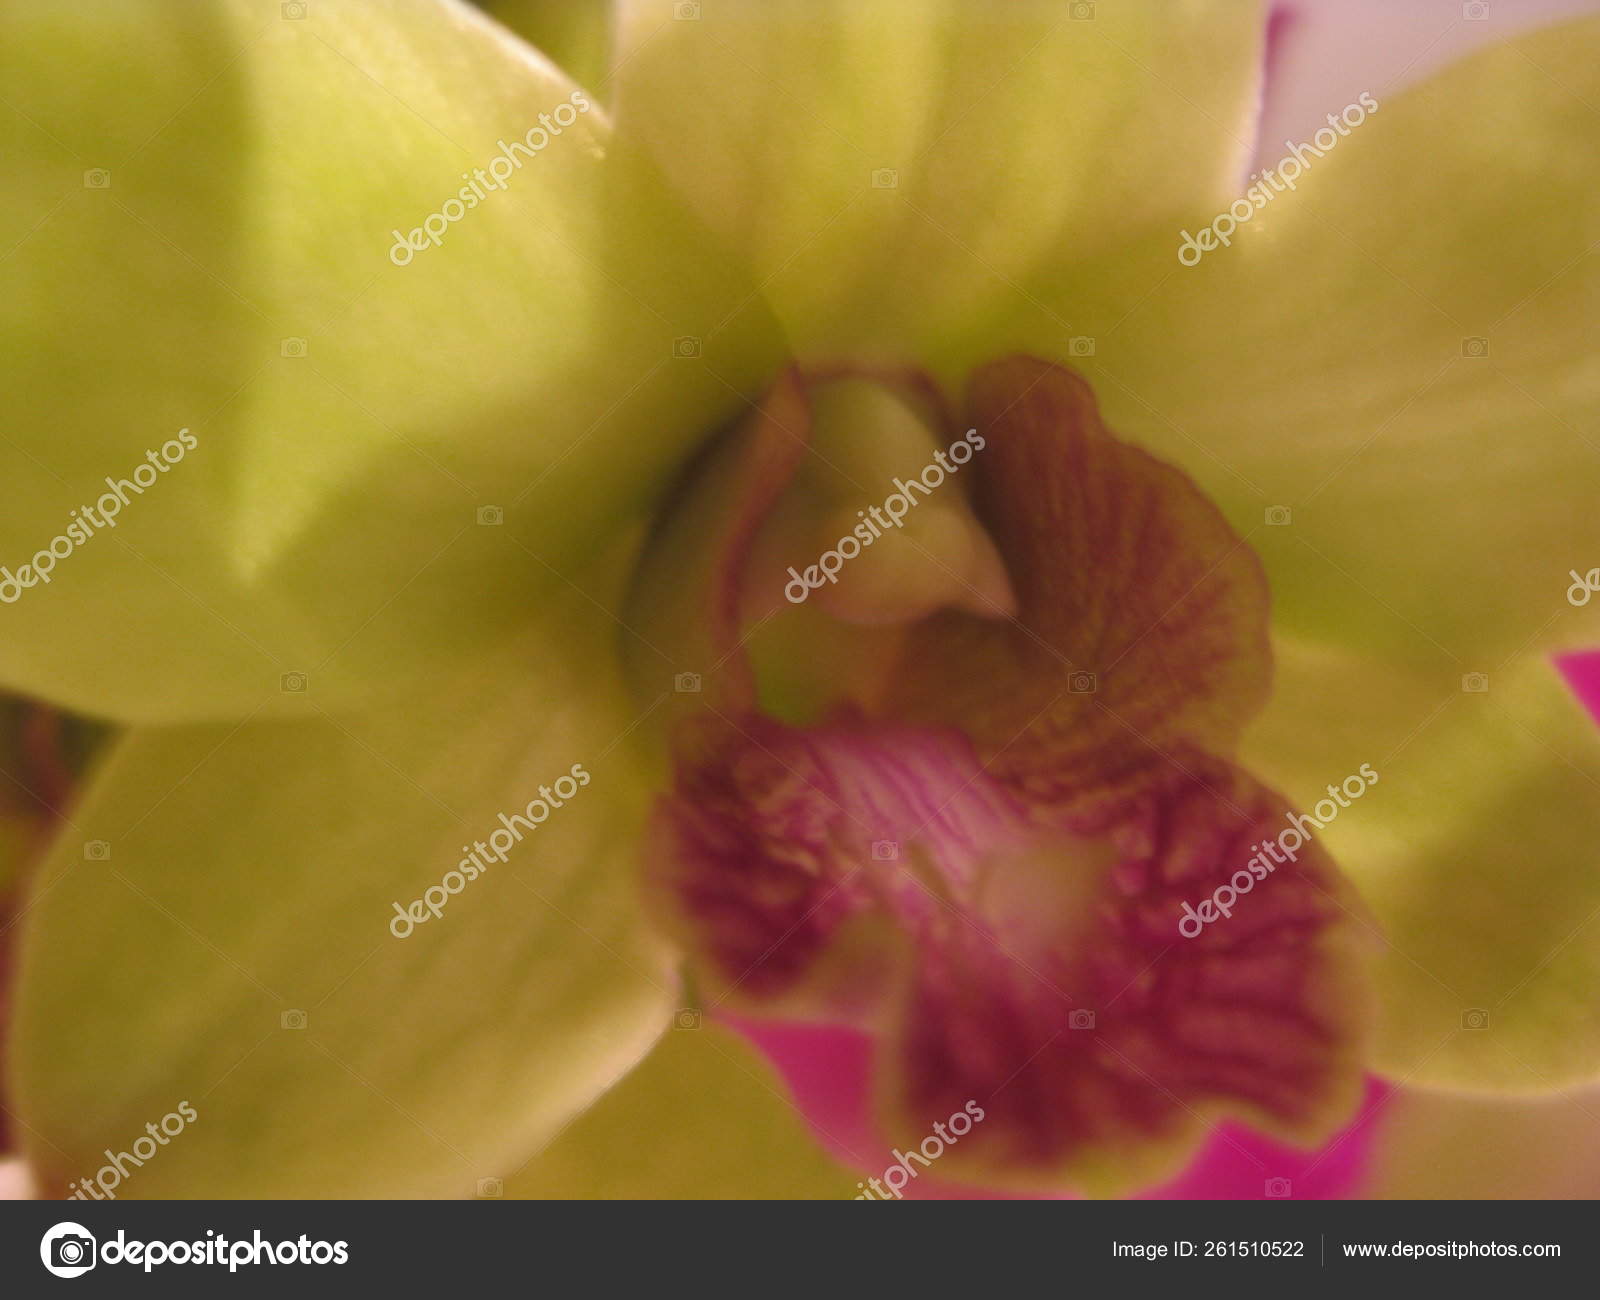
414	781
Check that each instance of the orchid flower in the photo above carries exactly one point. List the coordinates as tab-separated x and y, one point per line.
518	520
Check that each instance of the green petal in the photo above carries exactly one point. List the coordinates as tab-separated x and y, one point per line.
888	170
1475	850
352	415
1323	363
703	1118
1487	1148
249	887
573	34
1418	510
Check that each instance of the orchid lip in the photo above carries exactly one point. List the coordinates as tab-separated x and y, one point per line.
969	834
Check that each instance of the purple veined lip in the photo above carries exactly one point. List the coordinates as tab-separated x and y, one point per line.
1054	785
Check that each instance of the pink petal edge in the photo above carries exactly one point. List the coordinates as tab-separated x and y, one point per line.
1581	668
828	1071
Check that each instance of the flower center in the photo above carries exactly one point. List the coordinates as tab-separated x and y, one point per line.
874	533
876	527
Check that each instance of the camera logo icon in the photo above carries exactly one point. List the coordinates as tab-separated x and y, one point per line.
1475	683
1279	516
885	850
96	850
1081	10
68	1250
686	11
97	178
293	1020
491	516
292	348
491	1188
293	683
1475	348
293	10
688	1018
1083	683
1080	1019
1475	1018
1080	347
1475	11
885	178
686	683
687	347
1279	1189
